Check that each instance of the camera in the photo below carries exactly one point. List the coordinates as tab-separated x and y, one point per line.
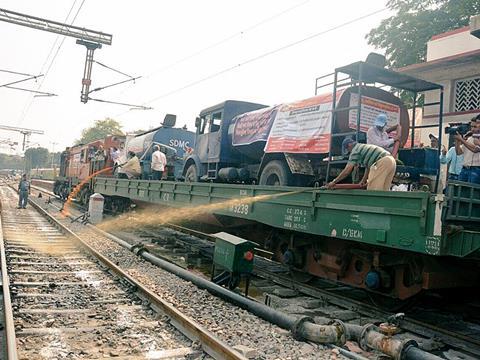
460	128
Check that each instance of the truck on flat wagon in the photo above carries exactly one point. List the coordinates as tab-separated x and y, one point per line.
298	143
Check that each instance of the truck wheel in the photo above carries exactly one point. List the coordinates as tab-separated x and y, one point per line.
191	174
275	173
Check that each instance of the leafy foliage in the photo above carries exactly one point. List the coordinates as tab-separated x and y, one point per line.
13	162
36	158
404	35
99	130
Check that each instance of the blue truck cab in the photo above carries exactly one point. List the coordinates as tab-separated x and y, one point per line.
213	146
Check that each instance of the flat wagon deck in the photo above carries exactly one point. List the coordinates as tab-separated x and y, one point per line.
378	224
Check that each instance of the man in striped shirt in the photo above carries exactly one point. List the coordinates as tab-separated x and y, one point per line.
379	165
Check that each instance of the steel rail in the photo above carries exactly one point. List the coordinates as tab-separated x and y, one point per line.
408	324
212	345
10	338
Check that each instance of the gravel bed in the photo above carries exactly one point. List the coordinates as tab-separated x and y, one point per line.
83	312
230	323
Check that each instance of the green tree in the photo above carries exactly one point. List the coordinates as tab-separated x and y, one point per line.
99	130
404	35
36	158
11	162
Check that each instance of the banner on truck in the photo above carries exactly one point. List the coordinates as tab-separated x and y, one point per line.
369	111
253	126
303	126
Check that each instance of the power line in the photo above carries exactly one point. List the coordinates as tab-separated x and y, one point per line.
15	72
27	106
226	39
32	77
27	109
221	42
216	44
261	56
39	93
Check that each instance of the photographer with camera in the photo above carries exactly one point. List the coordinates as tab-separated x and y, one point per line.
470	148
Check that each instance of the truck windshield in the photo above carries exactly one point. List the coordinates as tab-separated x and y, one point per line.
211	123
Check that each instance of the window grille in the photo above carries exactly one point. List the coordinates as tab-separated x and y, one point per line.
467	94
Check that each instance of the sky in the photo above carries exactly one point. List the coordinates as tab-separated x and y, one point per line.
190	55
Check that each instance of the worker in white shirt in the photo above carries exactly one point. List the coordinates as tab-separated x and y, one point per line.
159	161
378	133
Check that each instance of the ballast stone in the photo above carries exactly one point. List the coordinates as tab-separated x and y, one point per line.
246	351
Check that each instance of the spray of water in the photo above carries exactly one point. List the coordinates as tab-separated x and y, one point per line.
176	215
73	194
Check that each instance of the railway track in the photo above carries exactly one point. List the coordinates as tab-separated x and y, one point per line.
62	299
434	336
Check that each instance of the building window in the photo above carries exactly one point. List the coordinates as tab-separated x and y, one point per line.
467	94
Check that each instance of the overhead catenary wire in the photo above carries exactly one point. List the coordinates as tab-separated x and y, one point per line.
110	68
43	93
27	108
222	41
32	77
15	72
216	44
114	84
134	107
226	39
261	56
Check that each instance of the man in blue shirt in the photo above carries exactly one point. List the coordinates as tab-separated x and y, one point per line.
453	161
23	191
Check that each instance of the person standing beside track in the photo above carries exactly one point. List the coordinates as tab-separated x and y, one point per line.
23	192
159	161
470	148
379	163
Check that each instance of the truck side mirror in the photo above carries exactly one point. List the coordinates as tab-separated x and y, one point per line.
198	121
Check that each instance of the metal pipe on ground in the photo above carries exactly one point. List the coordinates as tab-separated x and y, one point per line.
304	328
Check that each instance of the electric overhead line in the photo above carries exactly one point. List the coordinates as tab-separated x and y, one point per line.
261	56
63	30
31	77
209	47
130	78
28	104
15	72
38	93
227	39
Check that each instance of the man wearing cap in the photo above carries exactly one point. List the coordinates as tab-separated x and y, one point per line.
433	141
379	165
378	133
